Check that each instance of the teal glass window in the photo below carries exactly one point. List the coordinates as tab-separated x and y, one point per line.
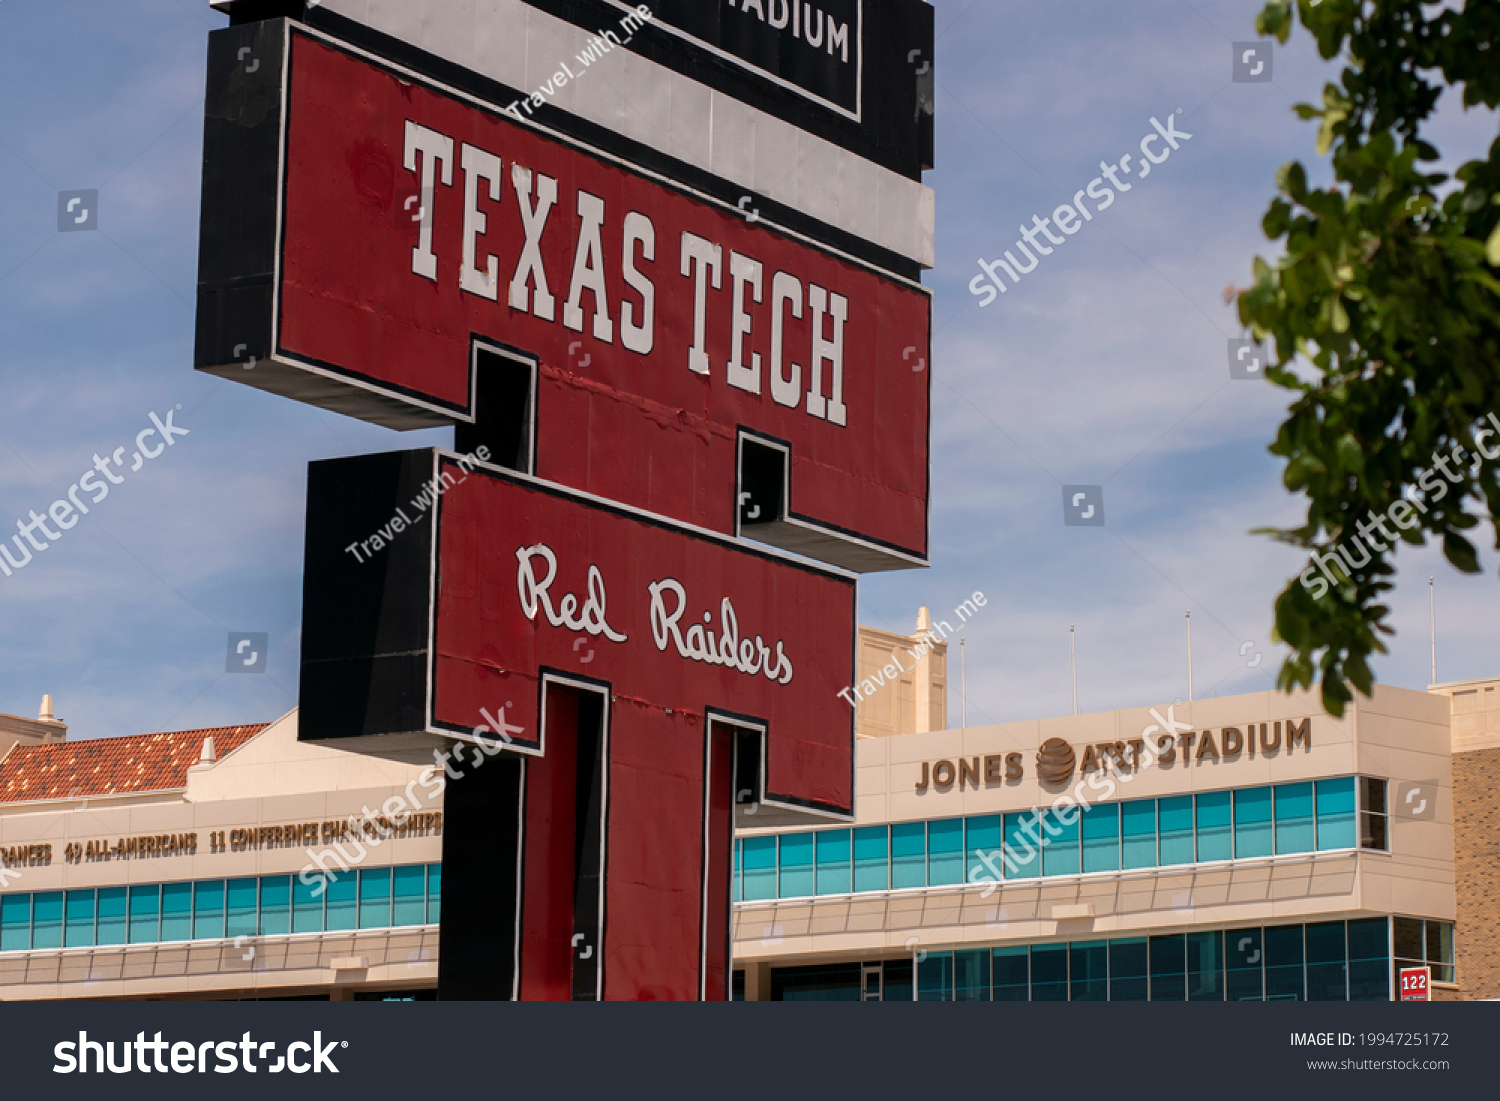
434	892
208	909
1336	813
1417	943
1089	970
1060	853
830	982
1252	823
760	867
1205	967
1409	942
176	911
1294	818
375	898
1374	814
1369	960
341	902
1049	972
1138	833
935	977
908	854
1326	972
1127	970
113	915
1101	838
1175	826
1215	826
796	865
1284	971
1440	950
408	895
1011	980
1243	965
15	923
215	909
1168	969
872	859
1142	833
308	896
240	897
145	914
984	836
971	975
79	931
897	981
833	871
1022	857
47	920
275	905
945	851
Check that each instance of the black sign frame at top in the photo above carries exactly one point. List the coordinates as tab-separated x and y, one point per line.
893	127
775	41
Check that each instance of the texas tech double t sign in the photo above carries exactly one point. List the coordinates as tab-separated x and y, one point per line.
376	228
656	361
627	661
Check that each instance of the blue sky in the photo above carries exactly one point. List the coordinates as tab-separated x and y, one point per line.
1107	365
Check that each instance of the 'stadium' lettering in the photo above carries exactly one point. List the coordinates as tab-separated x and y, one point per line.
802	20
616	267
1198	749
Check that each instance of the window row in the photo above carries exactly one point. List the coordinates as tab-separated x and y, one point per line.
1236	824
1421	943
210	909
1322	961
1330	961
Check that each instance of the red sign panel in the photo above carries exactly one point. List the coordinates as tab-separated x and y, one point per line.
1416	984
414	219
643	675
530	579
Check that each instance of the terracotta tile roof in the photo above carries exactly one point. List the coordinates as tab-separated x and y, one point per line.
112	766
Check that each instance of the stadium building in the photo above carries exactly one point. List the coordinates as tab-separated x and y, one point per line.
1247	847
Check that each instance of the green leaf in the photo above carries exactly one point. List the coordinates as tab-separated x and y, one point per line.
1460	552
1274	223
1359	673
1390	293
1291	626
1340	317
1335	695
1331	120
1292	178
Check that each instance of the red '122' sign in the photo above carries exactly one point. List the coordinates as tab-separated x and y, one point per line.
1416	984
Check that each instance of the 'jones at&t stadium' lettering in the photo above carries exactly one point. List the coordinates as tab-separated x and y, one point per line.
1058	761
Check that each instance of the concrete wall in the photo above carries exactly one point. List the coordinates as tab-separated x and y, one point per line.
16	730
337	964
903	682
